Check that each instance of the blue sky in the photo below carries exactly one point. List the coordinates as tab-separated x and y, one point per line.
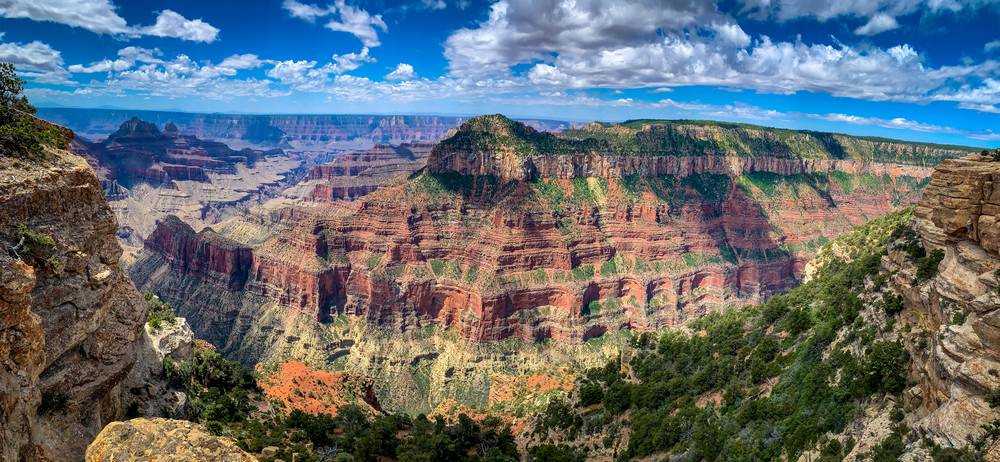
914	69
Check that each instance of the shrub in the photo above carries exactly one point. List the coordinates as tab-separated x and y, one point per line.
928	265
158	312
21	135
37	249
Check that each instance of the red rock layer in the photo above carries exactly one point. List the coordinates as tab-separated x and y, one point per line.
353	175
497	261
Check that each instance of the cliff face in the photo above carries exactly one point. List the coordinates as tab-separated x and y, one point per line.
352	175
561	256
69	317
957	349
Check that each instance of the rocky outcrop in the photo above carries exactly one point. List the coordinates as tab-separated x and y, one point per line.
355	174
69	317
138	152
162	440
956	314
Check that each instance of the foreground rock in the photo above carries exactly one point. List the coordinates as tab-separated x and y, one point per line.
70	319
955	314
162	440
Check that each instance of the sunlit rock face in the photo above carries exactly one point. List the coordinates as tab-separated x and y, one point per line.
500	238
69	322
959	363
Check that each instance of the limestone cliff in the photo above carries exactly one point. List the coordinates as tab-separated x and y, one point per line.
69	317
955	315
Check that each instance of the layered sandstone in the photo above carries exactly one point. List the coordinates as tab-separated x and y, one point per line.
956	364
138	152
354	174
555	257
70	319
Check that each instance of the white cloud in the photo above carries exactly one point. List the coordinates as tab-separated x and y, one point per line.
877	24
100	16
244	61
94	15
402	71
992	46
33	56
824	10
305	11
127	57
434	4
900	123
605	44
171	24
350	61
352	20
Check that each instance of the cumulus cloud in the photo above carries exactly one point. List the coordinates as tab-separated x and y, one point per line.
877	24
171	24
343	18
823	10
402	71
33	56
127	57
36	61
350	61
94	15
100	16
604	44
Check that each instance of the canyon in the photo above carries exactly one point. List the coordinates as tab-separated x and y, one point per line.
447	290
516	237
293	131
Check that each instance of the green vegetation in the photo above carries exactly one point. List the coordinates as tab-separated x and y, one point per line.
22	136
761	383
218	389
928	265
37	249
158	311
353	435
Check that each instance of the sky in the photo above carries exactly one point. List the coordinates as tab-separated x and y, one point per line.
926	70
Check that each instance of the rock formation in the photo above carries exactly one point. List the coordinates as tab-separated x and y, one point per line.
355	174
955	316
162	440
69	317
148	174
138	152
565	253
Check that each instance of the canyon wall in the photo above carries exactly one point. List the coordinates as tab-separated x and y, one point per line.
70	319
955	316
561	256
275	130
